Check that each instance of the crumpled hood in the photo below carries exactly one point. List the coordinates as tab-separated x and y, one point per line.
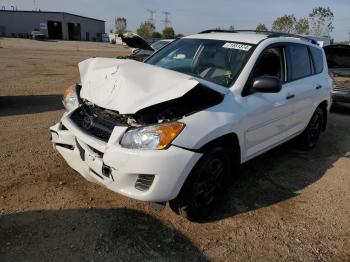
127	86
135	41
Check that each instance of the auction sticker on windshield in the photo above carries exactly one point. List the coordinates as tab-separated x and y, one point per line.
237	46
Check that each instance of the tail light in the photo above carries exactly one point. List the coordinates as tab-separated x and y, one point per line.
331	74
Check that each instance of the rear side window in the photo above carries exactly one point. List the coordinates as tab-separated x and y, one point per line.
299	62
317	58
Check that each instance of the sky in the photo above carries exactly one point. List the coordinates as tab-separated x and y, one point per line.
192	16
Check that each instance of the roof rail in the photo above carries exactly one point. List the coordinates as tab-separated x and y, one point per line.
217	31
269	34
279	34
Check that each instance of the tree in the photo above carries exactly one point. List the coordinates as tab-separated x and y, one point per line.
156	35
231	28
261	28
169	33
120	25
285	24
146	29
321	20
302	27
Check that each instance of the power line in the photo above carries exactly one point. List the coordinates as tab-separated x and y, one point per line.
166	20
151	15
35	4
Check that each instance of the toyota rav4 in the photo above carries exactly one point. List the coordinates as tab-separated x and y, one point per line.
175	127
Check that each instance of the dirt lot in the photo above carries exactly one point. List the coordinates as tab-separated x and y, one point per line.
286	205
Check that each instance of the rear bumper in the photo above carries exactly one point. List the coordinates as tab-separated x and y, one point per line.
341	97
89	155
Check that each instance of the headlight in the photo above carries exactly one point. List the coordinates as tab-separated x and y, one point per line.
70	98
152	137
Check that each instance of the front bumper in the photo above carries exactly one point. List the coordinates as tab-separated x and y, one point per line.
91	156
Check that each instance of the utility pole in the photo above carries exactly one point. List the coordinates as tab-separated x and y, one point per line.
151	15
166	20
35	5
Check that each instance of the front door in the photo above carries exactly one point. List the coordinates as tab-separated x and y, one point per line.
270	116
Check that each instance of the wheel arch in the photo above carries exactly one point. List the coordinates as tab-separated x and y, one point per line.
229	141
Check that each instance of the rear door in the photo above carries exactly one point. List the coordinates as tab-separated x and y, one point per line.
306	80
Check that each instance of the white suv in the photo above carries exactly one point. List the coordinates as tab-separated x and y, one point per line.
174	127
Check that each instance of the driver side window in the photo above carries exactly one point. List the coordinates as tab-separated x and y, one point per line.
271	63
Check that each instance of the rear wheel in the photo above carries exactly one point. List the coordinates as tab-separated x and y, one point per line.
204	186
311	134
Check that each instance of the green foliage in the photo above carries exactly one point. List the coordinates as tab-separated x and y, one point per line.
156	35
120	25
231	28
321	20
302	27
285	24
261	28
169	33
146	29
179	35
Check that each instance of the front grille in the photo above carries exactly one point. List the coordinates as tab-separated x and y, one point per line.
144	182
95	121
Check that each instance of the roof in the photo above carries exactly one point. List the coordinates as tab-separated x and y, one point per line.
248	36
234	37
50	12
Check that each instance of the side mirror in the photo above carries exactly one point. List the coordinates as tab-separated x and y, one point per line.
267	84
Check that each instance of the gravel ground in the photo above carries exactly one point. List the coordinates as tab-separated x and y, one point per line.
286	205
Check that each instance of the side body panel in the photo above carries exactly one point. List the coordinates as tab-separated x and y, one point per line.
262	121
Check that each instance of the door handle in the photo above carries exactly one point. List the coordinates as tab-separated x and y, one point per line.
318	87
290	96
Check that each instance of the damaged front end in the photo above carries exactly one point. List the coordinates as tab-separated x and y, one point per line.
100	122
132	94
121	122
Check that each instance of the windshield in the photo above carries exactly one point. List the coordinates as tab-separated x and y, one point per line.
159	44
216	61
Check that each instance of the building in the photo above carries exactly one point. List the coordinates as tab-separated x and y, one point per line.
55	25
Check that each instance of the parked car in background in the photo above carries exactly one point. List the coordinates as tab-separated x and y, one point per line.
142	49
37	35
175	127
338	59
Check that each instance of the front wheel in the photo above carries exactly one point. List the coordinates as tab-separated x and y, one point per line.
204	186
311	134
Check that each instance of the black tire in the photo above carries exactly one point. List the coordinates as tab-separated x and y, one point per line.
204	186
311	135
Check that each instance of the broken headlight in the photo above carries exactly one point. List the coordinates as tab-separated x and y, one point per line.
70	98
152	137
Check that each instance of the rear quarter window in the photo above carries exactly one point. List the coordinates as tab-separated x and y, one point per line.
299	62
317	57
